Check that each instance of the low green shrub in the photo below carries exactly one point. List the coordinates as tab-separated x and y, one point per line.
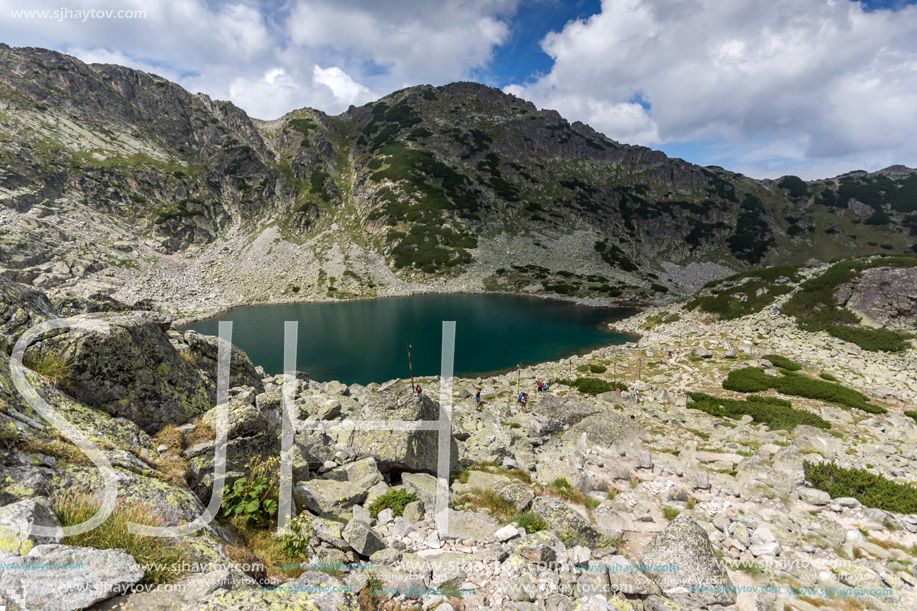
588	386
782	362
396	500
746	297
598	368
873	340
911	414
868	488
748	379
295	541
670	513
252	500
776	413
828	376
752	379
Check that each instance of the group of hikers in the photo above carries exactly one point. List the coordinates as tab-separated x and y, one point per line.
522	398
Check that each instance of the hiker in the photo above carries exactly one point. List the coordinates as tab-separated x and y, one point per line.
418	390
523	399
539	385
477	398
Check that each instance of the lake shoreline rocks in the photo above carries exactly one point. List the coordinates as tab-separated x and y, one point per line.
624	304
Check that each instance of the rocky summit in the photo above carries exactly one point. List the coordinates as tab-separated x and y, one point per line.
751	449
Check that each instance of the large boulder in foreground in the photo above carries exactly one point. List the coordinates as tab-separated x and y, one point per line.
72	577
553	414
402	450
684	544
568	524
204	350
133	371
325	497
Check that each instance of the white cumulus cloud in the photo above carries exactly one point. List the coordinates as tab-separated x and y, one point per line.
345	89
826	77
272	57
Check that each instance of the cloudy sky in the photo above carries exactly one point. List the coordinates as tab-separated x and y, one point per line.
764	87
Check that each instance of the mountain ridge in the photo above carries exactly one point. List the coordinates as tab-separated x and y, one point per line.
119	181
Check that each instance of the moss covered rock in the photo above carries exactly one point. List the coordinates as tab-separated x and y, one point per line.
568	525
310	591
21	307
684	545
78	577
15	521
204	349
132	371
327	497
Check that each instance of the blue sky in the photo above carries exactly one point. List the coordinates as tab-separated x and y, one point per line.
763	87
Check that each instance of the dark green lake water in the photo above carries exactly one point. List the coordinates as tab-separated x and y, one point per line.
366	341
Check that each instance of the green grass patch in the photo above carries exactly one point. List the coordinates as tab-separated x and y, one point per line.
531	522
911	414
752	379
777	414
488	501
869	488
562	488
52	367
396	500
162	557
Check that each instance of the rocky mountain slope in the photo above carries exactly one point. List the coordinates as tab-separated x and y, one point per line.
117	180
703	467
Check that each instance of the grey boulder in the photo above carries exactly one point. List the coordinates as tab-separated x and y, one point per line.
71	578
684	544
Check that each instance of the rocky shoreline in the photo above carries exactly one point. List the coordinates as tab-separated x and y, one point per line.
626	304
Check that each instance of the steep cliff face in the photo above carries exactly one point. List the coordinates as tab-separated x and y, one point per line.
119	180
883	297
